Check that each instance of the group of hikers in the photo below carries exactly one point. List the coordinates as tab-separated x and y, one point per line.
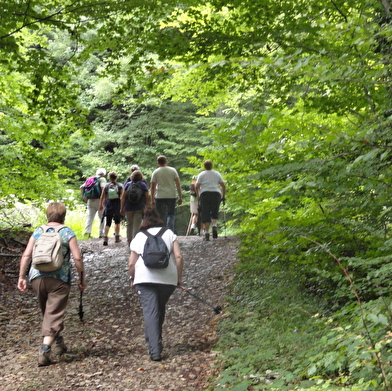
115	201
45	263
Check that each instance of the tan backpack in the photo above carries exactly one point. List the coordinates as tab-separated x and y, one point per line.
47	250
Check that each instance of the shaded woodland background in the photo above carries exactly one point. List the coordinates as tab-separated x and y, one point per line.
290	99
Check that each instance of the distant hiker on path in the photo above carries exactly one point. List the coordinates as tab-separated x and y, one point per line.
194	208
111	205
164	182
133	200
211	190
52	287
92	197
132	169
154	286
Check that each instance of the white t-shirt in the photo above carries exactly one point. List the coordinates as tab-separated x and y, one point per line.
209	180
143	274
164	178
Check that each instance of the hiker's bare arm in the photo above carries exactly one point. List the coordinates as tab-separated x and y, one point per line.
131	265
198	189
223	186
179	260
77	257
122	202
153	187
148	201
102	200
178	185
24	263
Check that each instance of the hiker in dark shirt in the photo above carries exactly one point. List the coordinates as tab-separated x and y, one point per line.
134	210
111	204
133	168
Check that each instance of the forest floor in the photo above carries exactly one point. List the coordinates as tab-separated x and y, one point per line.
108	351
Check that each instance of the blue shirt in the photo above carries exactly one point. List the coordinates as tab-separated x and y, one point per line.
63	273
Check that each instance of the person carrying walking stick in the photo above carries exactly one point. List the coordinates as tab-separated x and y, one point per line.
211	190
52	287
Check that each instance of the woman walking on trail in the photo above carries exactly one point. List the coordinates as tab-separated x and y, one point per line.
52	288
154	286
211	190
133	208
111	204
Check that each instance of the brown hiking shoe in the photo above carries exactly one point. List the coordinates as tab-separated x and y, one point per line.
105	240
118	239
59	347
44	356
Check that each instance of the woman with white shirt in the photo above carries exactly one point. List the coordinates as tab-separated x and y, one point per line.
154	286
211	190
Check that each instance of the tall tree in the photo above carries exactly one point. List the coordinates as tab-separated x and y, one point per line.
39	105
310	84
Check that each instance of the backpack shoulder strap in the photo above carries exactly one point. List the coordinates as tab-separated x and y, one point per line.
162	231
56	228
146	233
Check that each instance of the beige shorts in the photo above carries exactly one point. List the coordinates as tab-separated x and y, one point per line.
194	207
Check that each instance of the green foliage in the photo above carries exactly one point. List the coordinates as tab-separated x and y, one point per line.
278	335
265	329
358	350
299	95
63	68
131	133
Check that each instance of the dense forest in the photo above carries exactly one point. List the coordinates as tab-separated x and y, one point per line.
292	102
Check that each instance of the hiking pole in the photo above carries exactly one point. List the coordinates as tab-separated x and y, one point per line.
217	309
81	313
224	217
81	307
189	225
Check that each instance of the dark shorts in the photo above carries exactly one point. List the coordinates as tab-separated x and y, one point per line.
112	212
209	206
111	217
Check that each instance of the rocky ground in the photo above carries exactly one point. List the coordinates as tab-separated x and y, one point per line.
107	351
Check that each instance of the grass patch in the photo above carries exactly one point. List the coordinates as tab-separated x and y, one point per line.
29	217
266	330
276	335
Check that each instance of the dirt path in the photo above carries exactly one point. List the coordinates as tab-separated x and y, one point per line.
108	352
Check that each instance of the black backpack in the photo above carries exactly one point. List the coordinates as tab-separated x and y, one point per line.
134	193
155	254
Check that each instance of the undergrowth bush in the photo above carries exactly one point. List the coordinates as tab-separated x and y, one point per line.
265	331
321	323
28	216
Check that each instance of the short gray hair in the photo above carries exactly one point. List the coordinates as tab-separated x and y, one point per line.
100	172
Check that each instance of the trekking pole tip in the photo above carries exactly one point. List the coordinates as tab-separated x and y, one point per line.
218	309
